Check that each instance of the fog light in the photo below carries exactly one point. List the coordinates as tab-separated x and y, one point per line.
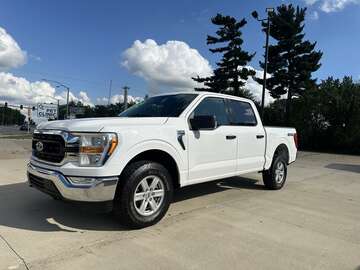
81	181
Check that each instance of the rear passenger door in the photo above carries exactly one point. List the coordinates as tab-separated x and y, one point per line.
250	135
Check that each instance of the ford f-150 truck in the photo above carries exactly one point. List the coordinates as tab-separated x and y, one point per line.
134	162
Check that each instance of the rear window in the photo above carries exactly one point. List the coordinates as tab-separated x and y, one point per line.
241	113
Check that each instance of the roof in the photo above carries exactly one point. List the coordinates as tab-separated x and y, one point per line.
205	93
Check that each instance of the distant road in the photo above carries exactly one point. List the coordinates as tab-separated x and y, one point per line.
13	130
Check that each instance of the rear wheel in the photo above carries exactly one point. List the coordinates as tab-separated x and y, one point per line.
145	194
275	177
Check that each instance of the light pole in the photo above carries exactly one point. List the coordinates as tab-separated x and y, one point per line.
126	90
67	96
267	21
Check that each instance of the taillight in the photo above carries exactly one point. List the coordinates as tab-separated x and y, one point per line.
296	140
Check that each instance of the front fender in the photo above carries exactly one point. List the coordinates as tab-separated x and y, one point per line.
148	145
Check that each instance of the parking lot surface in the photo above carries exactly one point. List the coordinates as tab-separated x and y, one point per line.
312	223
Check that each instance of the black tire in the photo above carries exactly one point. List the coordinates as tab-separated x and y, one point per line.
269	176
124	205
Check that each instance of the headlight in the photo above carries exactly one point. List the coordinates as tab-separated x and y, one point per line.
95	148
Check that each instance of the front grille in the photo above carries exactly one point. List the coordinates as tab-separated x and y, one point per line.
44	185
53	149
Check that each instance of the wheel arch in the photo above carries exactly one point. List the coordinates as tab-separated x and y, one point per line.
156	151
282	149
162	157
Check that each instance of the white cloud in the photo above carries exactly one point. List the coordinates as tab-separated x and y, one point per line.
314	15
311	2
166	67
169	67
332	5
18	90
35	57
11	55
118	99
255	88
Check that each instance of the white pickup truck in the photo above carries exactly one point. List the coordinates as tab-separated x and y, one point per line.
133	162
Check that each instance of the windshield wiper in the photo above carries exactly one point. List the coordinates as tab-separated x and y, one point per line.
138	115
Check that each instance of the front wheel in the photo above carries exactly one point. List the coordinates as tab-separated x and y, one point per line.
145	195
275	177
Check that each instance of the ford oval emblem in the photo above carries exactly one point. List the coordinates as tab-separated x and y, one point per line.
39	146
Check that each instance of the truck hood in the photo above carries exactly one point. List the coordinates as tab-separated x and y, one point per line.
98	124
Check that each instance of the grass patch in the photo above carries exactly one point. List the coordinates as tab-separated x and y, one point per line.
22	136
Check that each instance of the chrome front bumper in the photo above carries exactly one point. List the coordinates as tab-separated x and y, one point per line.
102	189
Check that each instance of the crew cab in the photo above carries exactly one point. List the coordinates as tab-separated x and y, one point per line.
133	162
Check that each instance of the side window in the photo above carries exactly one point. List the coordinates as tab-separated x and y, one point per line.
213	106
241	113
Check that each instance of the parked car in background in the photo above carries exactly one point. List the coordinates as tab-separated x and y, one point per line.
24	126
134	162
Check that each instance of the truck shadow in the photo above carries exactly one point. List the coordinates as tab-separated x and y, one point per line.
25	208
207	188
344	167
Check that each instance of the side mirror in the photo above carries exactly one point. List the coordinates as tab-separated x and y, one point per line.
207	122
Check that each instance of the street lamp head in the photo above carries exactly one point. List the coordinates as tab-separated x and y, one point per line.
255	15
270	10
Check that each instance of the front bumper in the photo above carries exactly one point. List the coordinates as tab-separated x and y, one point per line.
58	185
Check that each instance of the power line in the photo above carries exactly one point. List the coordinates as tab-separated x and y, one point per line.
66	77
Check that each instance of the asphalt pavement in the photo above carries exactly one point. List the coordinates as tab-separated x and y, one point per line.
312	223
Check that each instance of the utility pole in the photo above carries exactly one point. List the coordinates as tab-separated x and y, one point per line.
267	21
266	65
4	115
126	89
29	119
67	102
58	109
109	92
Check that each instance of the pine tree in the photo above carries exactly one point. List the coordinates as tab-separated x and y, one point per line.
230	74
291	60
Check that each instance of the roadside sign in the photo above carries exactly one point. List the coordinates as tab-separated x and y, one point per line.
47	111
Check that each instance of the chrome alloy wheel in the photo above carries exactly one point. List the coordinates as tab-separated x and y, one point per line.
149	195
279	172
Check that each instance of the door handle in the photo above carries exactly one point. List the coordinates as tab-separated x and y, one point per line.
259	136
230	137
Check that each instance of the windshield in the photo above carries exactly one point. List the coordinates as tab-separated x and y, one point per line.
160	106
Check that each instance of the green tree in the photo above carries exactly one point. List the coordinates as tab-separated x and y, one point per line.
326	117
292	60
9	116
339	106
230	74
111	110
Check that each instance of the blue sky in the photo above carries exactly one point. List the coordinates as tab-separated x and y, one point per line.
81	43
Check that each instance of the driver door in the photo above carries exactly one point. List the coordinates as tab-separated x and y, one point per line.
212	153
